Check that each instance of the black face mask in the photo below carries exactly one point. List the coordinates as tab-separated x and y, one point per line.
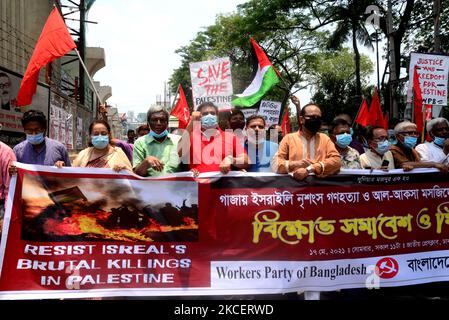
313	125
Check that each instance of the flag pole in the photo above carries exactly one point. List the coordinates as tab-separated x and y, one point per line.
424	116
176	96
88	76
279	74
357	114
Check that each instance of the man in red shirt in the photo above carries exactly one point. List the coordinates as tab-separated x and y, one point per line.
206	148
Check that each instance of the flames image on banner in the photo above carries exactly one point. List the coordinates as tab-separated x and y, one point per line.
58	210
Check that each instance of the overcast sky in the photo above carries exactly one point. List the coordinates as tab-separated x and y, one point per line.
140	38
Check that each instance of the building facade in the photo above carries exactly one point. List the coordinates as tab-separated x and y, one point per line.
64	92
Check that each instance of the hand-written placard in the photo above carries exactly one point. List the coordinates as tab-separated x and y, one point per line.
271	111
433	73
249	112
212	82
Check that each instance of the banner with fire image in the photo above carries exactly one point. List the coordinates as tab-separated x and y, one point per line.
79	233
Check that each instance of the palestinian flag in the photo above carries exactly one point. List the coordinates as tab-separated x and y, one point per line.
266	77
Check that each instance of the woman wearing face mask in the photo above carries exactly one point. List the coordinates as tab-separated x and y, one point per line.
102	154
404	154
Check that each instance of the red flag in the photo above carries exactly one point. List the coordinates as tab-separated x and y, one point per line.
385	121
285	124
417	102
375	111
363	118
54	42
181	110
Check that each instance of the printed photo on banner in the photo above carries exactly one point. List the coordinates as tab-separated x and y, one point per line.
56	210
10	113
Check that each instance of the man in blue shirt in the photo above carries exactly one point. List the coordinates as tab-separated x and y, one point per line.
38	149
259	149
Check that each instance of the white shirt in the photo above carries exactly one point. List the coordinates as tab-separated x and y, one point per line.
430	152
372	160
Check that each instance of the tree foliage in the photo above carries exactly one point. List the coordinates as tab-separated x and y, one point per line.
334	82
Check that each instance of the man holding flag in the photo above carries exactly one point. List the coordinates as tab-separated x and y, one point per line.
206	148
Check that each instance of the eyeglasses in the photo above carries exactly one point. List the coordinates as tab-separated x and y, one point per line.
441	129
4	85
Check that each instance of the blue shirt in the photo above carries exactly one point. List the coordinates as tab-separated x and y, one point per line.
52	152
261	157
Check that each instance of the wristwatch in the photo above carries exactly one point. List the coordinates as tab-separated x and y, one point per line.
310	169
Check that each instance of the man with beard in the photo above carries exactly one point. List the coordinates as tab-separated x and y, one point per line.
5	87
307	151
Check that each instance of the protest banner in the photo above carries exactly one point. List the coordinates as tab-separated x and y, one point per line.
271	111
212	82
75	233
248	112
433	73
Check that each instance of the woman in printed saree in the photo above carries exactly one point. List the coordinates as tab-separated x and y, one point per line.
101	153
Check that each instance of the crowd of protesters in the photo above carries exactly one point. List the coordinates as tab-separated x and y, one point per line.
207	145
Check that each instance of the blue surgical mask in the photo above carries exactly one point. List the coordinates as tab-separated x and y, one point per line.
383	147
351	131
100	142
35	139
161	135
439	141
410	142
209	121
344	140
